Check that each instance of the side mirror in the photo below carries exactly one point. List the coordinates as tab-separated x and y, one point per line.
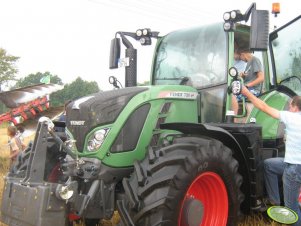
114	53
259	36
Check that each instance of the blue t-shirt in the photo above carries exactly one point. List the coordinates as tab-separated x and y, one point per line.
292	121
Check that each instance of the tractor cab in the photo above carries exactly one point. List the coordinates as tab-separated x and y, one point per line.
200	60
202	56
281	65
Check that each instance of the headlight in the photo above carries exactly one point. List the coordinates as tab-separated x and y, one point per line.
139	33
100	135
142	41
65	193
227	26
96	139
145	31
226	16
233	15
233	72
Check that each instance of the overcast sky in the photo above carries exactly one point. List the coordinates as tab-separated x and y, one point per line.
71	38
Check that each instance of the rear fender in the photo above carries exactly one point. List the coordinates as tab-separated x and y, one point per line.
207	130
245	142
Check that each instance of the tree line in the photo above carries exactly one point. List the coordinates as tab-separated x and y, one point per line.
71	91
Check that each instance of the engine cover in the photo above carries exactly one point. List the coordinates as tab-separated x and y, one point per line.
95	110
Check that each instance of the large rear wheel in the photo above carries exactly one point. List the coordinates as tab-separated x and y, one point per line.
193	182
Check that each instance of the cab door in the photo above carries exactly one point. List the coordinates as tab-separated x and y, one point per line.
285	50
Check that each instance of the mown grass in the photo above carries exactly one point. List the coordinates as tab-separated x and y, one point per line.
252	220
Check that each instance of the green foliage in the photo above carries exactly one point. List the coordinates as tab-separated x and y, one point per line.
76	89
8	68
72	91
33	79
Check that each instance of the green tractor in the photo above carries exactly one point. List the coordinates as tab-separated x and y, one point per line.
165	154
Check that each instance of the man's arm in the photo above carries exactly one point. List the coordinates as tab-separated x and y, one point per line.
260	104
258	80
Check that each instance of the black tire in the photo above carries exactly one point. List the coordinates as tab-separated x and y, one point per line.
19	168
155	191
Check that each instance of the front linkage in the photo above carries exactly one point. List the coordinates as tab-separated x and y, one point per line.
50	189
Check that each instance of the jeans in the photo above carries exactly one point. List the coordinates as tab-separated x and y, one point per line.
273	171
291	187
274	168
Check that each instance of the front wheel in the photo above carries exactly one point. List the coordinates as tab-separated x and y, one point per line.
194	181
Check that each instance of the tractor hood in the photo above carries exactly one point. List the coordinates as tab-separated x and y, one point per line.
95	110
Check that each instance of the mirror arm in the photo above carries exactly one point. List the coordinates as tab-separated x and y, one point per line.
249	11
125	41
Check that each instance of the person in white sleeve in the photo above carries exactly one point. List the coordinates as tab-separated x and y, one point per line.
288	167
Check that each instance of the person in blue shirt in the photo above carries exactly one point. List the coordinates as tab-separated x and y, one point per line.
288	167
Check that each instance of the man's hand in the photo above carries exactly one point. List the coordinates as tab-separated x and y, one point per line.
244	90
243	74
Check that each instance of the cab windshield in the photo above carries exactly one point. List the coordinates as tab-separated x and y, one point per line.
195	57
286	48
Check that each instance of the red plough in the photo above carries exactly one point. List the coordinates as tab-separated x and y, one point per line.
26	102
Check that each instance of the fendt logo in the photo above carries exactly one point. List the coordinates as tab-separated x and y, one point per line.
77	123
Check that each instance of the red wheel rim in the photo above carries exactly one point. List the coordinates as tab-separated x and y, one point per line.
210	190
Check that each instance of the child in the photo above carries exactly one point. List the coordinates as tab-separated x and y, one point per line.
15	143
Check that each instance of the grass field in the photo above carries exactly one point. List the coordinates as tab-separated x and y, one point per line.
254	220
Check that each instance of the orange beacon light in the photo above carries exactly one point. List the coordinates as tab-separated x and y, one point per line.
276	8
